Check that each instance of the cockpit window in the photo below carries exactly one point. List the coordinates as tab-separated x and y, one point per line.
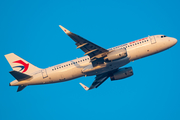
163	36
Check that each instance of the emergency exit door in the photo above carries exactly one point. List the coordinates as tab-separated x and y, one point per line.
44	73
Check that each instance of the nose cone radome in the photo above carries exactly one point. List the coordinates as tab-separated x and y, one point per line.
173	41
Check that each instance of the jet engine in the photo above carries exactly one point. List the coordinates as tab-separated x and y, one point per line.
122	73
117	54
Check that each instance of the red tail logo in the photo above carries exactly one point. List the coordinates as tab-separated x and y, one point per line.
25	66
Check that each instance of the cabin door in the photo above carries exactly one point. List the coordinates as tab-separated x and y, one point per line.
153	39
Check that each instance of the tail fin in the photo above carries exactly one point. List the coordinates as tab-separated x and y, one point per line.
19	64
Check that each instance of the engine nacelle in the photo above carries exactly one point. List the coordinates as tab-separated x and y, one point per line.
122	73
117	54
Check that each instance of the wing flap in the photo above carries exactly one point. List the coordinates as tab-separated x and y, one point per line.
89	52
97	82
81	45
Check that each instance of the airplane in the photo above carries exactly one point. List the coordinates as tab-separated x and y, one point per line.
104	63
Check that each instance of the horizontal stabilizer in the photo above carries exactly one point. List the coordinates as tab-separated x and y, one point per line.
20	88
19	76
85	87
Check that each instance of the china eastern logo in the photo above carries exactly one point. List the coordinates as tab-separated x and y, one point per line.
24	66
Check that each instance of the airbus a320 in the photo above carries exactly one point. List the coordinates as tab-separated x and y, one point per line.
98	61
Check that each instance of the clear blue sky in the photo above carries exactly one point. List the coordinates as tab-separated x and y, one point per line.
30	29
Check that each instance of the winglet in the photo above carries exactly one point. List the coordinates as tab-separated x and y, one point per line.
64	29
85	87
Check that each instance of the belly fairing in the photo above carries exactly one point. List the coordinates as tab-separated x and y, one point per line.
106	67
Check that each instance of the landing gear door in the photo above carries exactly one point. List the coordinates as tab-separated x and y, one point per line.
44	73
153	39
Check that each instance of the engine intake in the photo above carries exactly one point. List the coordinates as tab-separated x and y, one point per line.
122	73
117	54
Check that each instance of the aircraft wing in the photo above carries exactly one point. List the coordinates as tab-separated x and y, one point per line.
97	82
95	52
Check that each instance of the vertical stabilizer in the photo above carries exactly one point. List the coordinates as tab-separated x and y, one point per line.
20	65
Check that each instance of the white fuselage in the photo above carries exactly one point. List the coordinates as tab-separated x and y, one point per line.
83	66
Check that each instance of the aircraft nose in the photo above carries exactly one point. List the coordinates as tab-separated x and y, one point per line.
173	41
